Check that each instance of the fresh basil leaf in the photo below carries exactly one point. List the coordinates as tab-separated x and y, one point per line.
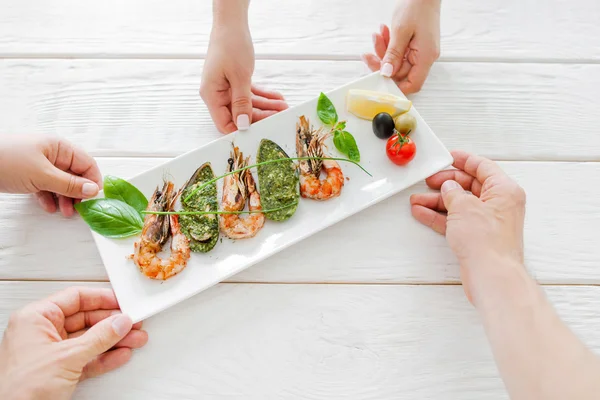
346	144
110	218
351	147
338	141
119	189
326	110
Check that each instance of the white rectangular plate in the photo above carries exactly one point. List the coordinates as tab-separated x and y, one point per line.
141	297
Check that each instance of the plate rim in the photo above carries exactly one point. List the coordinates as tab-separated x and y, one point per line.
441	164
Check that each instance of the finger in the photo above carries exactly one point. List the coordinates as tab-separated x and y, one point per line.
269	94
379	45
479	167
258	115
432	201
452	194
47	201
77	299
385	33
263	103
67	184
430	218
465	180
106	362
216	94
241	102
394	56
372	61
223	120
66	206
72	335
100	337
134	339
70	158
85	165
415	79
404	70
86	319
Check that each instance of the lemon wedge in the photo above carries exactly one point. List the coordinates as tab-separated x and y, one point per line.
366	104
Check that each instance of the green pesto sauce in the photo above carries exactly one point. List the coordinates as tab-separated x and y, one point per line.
201	230
278	181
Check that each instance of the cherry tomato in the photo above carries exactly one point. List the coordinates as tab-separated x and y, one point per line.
400	149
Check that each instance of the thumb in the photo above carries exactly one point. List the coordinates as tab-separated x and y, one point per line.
102	337
394	55
67	184
241	103
452	192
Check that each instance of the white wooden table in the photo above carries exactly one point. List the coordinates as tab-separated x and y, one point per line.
518	81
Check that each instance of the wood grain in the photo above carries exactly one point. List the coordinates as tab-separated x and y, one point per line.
150	108
334	317
315	341
471	29
381	244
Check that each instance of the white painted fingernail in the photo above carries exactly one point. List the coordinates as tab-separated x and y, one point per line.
121	325
387	70
374	39
243	122
89	189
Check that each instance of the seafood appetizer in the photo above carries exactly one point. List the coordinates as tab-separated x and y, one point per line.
278	181
155	233
201	230
310	143
242	211
239	188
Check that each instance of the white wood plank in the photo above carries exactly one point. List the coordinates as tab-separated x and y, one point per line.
381	244
317	342
471	29
141	107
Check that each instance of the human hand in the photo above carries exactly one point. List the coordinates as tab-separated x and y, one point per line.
51	168
408	52
51	345
484	228
233	102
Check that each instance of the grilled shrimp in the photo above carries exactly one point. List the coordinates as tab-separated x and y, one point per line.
309	143
237	189
157	230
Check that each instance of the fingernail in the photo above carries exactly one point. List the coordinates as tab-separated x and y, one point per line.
449	185
89	189
243	122
387	70
374	39
381	27
121	325
363	57
115	312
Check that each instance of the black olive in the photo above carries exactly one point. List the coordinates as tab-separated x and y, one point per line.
383	125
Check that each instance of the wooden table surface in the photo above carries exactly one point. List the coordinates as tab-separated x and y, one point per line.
518	81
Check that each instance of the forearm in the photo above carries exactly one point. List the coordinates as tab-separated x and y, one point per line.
230	12
537	355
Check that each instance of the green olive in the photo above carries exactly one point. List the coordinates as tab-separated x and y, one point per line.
405	123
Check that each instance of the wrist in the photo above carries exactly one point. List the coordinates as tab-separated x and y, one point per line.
227	13
495	282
